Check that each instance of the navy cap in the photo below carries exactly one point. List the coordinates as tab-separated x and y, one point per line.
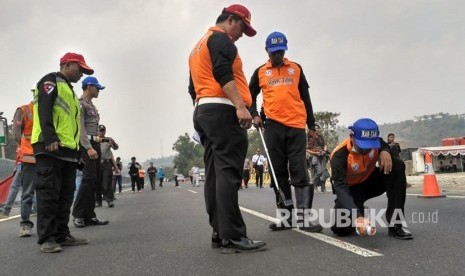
366	133
276	41
92	81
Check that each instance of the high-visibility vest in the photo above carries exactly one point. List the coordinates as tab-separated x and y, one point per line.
141	173
66	117
26	151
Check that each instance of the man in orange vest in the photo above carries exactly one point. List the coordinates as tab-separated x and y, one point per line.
219	89
356	178
22	130
288	110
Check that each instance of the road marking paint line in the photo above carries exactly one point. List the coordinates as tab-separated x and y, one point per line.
447	196
10	218
321	237
193	191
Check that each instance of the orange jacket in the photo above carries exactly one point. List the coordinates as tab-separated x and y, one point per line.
23	128
358	167
201	70
141	173
285	94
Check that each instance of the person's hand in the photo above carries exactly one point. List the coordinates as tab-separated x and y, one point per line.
245	119
257	122
361	224
112	142
52	147
92	153
385	162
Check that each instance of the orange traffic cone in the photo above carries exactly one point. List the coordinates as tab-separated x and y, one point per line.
430	183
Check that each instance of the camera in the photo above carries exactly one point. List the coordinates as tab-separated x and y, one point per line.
103	140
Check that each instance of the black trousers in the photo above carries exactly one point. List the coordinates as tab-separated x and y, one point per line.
84	204
286	147
246	177
176	180
394	184
106	175
134	182
259	175
225	144
54	180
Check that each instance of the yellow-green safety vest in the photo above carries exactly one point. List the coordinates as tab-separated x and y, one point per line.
66	117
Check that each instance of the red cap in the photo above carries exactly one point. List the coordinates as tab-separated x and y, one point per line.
73	57
244	14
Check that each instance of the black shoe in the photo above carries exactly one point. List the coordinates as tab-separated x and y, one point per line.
400	233
216	241
72	241
96	221
312	228
79	222
110	204
281	226
244	245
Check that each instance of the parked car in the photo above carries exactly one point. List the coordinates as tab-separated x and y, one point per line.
181	178
201	174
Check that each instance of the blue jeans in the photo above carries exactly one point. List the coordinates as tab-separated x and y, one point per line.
27	195
14	189
78	182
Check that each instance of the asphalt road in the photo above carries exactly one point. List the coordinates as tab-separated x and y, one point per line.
166	232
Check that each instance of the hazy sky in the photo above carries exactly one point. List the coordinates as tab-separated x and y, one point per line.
388	60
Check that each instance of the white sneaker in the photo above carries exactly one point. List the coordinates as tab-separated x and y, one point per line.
25	230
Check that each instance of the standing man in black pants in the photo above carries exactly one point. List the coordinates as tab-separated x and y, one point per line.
152	171
84	205
258	161
106	165
134	174
219	90
288	109
56	149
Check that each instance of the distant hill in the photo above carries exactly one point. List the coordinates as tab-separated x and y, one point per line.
422	131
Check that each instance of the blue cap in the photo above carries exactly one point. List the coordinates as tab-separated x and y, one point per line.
92	81
366	133
276	41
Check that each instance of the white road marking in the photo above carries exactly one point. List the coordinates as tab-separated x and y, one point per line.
10	218
338	243
193	191
447	196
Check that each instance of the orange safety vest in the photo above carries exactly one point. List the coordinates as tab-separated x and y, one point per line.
26	151
359	167
201	69
141	173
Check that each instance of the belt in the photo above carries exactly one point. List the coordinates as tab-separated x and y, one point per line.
94	138
220	100
106	161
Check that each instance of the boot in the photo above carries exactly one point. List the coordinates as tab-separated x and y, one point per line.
287	194
304	200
